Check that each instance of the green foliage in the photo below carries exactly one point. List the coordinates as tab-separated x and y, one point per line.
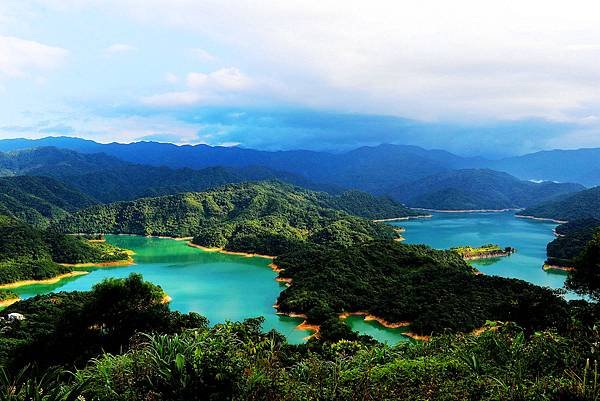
7	294
581	205
585	278
571	240
434	290
269	218
27	253
37	200
71	327
484	251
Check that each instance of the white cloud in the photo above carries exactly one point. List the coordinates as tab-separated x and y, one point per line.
428	59
202	54
171	78
22	58
119	48
212	87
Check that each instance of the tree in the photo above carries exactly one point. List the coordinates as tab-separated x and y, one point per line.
585	278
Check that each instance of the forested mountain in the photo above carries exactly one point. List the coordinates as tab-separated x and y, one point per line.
375	169
108	179
571	240
38	199
581	205
28	253
267	217
477	189
434	290
51	161
580	165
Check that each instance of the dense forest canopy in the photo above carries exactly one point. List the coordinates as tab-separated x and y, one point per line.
28	253
436	291
571	240
268	217
581	205
37	200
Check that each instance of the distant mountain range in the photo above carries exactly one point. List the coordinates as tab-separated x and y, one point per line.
368	168
477	189
433	179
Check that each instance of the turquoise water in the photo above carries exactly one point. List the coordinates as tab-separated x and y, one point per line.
376	330
529	237
219	286
230	287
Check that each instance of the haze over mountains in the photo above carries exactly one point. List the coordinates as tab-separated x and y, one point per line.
366	167
422	178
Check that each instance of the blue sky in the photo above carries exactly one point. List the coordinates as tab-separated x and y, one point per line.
479	79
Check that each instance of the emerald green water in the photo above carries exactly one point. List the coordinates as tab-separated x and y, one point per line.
230	287
219	286
529	237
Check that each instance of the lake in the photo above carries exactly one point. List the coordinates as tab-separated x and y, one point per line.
219	286
529	237
231	287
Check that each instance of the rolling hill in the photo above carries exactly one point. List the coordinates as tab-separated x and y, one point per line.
471	189
267	217
37	200
581	205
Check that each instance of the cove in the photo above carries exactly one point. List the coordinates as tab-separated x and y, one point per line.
219	286
529	237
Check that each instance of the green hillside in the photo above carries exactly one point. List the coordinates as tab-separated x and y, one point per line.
581	205
571	241
267	217
436	291
37	200
27	253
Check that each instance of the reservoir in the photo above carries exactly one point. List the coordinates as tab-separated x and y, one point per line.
231	287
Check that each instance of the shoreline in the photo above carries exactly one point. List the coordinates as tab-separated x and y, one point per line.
469	210
52	280
369	317
421	216
548	267
522	216
8	302
125	262
221	250
488	256
305	326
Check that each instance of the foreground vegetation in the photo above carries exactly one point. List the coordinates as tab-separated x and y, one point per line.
98	336
28	253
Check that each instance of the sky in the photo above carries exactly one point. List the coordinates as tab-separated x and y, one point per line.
487	78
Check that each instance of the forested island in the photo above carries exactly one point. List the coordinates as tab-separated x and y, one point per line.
483	251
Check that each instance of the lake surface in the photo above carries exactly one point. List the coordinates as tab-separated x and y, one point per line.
529	237
219	286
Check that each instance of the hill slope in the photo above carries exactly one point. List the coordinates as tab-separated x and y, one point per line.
263	217
477	189
38	199
581	205
27	253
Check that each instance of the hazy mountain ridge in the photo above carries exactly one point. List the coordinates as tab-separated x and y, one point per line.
405	162
581	205
478	189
